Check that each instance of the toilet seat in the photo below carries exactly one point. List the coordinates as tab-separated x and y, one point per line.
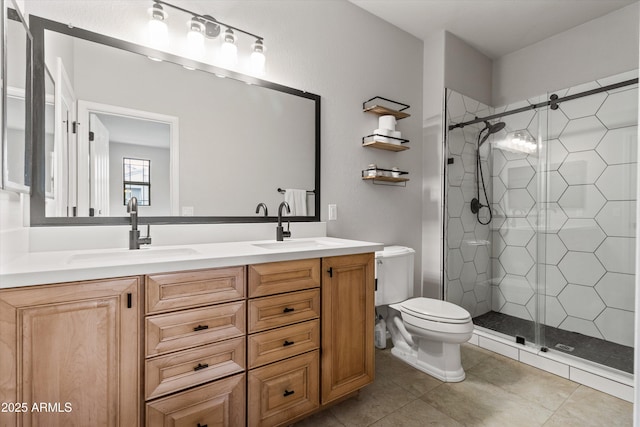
434	310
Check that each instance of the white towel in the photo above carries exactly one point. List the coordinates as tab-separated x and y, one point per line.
297	200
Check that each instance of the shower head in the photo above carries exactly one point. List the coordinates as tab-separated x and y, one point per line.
492	128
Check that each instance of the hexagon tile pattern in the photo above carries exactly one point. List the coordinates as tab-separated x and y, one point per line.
588	208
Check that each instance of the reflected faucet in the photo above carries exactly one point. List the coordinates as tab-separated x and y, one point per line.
280	233
264	206
134	234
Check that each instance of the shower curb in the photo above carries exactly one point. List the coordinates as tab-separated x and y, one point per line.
610	381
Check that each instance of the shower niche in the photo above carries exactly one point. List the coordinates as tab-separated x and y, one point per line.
540	217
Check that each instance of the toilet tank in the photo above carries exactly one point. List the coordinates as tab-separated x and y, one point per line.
394	275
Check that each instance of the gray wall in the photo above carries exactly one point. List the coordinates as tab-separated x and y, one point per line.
599	48
433	88
467	70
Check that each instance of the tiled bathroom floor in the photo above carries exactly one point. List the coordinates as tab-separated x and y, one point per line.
596	350
498	391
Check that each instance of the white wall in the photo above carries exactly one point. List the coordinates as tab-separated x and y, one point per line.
356	57
602	47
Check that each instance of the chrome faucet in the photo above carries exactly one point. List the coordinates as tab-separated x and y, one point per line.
264	206
134	234
280	233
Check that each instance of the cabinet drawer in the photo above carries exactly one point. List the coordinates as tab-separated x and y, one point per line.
281	310
172	291
190	328
281	343
176	371
284	390
221	403
286	276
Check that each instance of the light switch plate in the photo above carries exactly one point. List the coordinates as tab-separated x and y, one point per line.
333	212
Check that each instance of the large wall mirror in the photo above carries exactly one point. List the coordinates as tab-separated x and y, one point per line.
16	100
194	143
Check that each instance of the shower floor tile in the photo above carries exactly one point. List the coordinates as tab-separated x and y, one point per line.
585	347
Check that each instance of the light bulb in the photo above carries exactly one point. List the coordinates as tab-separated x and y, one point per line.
229	51
257	58
158	31
195	37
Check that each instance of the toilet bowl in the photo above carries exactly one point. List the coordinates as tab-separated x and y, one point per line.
426	332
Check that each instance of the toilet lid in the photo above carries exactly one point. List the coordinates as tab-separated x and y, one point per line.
435	310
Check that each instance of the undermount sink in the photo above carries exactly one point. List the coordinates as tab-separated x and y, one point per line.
127	254
297	244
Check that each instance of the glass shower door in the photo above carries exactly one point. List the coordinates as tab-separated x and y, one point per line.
590	201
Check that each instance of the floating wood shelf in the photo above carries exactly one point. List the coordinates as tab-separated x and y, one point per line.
385	178
383	111
380	109
373	141
384	146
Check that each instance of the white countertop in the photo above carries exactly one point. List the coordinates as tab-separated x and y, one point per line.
37	268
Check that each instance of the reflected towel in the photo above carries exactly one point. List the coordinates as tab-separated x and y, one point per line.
297	200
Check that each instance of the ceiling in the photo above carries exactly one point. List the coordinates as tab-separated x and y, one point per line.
493	27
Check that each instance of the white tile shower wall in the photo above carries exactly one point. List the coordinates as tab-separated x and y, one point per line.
468	259
590	208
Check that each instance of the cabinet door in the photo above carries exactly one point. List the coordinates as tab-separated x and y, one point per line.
347	324
73	351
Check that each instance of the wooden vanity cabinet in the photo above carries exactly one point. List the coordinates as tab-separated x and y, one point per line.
259	345
195	348
74	351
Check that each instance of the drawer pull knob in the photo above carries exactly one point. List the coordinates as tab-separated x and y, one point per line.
203	425
288	310
201	366
286	343
200	328
288	393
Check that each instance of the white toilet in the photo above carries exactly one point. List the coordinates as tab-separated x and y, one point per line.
426	333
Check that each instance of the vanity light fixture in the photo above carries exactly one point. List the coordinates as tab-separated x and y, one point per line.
203	27
195	37
519	141
257	58
158	31
229	50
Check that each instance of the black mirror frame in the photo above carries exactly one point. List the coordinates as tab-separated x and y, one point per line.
38	26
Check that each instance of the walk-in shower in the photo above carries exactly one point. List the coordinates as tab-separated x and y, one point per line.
540	217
